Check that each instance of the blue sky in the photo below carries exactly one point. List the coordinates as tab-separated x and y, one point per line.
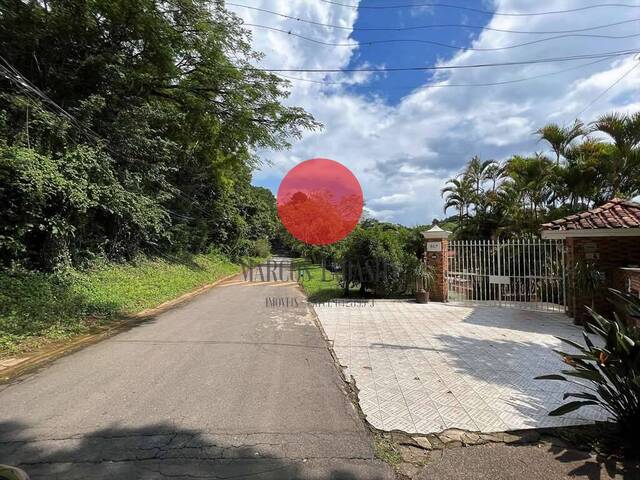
394	87
403	141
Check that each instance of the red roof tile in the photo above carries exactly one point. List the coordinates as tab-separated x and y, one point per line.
616	213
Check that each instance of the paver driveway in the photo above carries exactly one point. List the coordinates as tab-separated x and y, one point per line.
426	368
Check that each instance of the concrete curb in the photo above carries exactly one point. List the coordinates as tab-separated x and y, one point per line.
50	353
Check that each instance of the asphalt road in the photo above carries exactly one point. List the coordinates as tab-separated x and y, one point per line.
228	385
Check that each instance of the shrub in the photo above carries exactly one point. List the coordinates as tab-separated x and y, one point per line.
612	368
261	248
425	276
375	260
589	279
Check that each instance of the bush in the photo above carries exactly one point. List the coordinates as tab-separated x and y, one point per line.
51	206
374	259
613	368
261	248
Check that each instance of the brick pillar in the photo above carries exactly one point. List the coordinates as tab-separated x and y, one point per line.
570	262
437	256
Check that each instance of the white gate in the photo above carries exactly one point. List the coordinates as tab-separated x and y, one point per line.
525	273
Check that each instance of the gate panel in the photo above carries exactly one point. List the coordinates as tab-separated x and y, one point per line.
521	273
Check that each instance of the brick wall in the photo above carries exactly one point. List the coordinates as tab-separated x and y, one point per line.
628	281
440	262
609	253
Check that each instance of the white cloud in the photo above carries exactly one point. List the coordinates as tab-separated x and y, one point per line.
395	199
406	150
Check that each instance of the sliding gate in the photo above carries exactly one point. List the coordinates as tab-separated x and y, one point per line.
525	273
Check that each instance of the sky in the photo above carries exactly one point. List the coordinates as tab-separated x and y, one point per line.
403	134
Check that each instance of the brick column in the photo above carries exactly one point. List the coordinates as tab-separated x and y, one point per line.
437	256
570	262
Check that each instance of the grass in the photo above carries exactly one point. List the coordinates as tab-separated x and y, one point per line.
37	308
319	284
386	450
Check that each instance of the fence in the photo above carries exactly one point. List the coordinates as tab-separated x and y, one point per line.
522	273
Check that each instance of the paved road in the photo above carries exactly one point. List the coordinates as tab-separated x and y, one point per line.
221	387
526	462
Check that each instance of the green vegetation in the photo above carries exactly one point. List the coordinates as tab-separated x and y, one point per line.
425	279
129	127
127	134
386	450
37	307
378	259
513	198
318	283
606	372
589	279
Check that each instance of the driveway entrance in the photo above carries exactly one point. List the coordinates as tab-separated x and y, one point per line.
426	368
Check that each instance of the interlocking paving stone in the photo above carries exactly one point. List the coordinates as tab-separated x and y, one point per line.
423	368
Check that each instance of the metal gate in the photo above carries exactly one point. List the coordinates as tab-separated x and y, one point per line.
524	273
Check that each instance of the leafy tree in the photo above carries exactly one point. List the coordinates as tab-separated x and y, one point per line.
162	103
374	259
478	172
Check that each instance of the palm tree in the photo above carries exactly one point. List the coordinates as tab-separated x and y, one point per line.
559	138
494	173
531	178
458	193
583	181
477	171
625	162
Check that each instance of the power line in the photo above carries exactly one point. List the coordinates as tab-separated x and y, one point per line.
14	76
430	42
458	85
421	27
479	10
448	67
622	77
34	93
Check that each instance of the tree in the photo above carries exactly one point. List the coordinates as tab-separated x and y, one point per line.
513	198
625	160
163	96
559	138
374	259
477	172
458	194
530	176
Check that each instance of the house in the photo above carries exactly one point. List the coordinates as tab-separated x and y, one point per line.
607	238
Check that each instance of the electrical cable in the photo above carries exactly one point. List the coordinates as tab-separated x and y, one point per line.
439	44
622	77
479	10
448	67
420	27
457	85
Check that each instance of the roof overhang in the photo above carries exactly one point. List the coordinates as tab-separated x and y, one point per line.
436	233
604	232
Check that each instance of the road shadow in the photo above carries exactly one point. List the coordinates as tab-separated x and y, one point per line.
595	467
524	462
154	452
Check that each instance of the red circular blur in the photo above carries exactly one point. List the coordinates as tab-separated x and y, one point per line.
320	201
